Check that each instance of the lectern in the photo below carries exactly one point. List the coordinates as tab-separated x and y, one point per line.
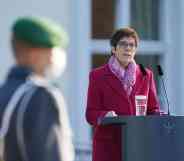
150	138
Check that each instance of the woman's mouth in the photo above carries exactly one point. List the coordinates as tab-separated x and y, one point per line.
127	55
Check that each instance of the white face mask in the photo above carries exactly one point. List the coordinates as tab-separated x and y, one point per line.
57	67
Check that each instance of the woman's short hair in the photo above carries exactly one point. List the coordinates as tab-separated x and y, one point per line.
123	32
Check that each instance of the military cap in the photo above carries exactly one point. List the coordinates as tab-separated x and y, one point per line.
39	32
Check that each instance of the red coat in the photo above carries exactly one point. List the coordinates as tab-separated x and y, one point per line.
106	93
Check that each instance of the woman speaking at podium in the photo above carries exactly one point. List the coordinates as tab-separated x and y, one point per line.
113	90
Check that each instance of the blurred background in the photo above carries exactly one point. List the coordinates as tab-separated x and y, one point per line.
90	23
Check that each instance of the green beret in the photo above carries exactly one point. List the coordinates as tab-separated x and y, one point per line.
39	32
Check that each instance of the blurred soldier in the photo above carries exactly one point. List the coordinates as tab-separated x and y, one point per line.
44	134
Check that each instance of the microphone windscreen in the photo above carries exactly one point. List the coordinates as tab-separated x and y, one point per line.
160	71
143	70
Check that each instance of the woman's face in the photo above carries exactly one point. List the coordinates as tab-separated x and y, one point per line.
125	50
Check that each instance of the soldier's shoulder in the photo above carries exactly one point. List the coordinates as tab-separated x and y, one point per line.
50	93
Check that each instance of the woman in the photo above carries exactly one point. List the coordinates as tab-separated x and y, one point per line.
112	91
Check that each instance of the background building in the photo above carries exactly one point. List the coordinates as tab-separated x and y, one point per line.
90	23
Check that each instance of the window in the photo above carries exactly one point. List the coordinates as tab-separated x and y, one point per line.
103	18
145	18
99	59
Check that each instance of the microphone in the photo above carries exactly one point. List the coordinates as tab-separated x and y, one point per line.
160	73
143	70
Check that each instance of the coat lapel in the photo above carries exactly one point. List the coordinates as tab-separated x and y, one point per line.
116	85
140	79
114	82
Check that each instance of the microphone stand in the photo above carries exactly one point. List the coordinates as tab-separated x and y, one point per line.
160	72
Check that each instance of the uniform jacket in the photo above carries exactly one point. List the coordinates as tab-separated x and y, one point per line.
41	127
106	93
